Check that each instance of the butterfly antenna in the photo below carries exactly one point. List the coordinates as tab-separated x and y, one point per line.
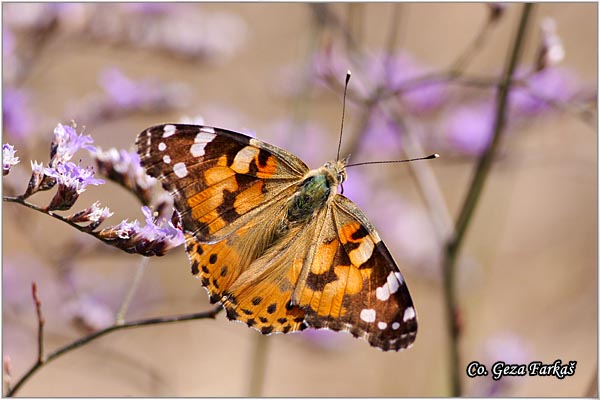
430	157
348	74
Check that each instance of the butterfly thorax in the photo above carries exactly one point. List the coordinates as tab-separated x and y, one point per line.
315	190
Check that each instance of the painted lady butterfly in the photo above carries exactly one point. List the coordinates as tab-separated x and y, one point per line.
274	241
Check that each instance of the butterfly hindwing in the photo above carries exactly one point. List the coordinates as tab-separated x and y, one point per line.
353	283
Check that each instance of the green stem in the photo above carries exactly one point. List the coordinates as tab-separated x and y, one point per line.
93	336
475	188
258	367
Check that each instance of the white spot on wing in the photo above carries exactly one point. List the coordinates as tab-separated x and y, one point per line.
382	325
383	293
207	129
168	130
409	313
180	170
200	142
393	282
167	159
368	315
396	325
162	146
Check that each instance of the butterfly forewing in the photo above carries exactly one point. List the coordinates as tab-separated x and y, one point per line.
271	240
215	176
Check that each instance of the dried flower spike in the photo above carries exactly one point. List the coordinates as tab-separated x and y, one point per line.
72	181
66	142
124	168
94	214
151	240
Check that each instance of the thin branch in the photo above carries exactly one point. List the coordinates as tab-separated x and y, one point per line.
41	322
108	236
139	273
479	178
20	200
93	336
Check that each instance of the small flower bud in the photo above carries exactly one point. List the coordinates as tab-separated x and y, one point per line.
8	158
551	50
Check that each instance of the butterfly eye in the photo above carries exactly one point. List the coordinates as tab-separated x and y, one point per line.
342	176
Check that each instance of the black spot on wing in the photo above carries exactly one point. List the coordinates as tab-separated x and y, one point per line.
256	301
195	270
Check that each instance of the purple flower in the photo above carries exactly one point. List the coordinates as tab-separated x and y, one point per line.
8	158
381	139
8	42
154	239
161	231
396	70
66	142
125	95
381	71
72	181
90	313
556	84
469	127
16	115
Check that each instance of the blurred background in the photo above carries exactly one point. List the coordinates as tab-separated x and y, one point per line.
423	82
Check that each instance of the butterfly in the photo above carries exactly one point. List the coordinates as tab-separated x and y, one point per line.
275	242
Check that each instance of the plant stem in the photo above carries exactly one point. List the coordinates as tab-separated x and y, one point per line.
475	188
258	366
139	273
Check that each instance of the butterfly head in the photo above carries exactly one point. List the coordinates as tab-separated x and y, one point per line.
337	170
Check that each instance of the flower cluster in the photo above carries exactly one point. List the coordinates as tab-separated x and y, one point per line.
123	95
72	180
94	214
156	238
